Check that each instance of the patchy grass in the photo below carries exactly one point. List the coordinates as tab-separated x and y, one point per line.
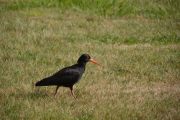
140	57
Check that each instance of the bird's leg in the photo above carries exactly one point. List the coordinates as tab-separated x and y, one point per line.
56	90
72	92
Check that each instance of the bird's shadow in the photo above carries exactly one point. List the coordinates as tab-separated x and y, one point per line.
37	95
30	95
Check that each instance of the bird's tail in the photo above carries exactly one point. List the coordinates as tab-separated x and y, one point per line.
46	82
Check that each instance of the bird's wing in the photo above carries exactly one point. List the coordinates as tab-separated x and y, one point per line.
67	76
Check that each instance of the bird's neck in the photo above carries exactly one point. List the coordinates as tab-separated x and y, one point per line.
82	64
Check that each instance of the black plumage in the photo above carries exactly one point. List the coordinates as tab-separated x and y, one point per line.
67	76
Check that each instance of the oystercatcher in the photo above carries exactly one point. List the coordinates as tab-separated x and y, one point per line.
67	76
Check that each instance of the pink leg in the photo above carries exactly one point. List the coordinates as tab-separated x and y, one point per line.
72	92
56	90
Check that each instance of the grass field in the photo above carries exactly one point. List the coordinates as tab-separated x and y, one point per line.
136	41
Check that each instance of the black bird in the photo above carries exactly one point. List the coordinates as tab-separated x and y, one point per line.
67	76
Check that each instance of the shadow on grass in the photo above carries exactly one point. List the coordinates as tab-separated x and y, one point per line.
34	95
37	95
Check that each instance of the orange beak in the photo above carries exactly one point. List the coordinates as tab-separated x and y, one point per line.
93	61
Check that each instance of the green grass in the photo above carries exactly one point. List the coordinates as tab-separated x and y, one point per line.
152	9
137	45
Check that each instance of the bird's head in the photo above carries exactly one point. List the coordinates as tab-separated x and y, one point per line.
84	58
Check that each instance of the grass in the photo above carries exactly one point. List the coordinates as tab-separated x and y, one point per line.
137	44
152	9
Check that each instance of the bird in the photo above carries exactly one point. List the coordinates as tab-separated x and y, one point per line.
68	76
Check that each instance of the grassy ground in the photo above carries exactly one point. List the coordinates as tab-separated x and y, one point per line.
138	45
